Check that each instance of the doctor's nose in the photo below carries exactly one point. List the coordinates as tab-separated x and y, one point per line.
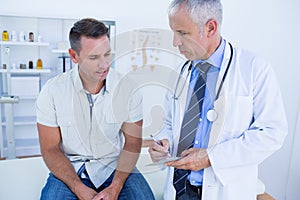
176	41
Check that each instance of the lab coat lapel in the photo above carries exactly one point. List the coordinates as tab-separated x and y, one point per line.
220	103
183	83
225	61
179	107
218	125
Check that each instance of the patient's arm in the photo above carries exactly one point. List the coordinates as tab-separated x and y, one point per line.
58	163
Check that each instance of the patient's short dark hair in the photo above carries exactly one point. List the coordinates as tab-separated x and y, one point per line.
87	27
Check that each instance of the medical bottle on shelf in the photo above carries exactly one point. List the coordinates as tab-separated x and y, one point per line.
5	36
39	64
30	64
22	36
14	36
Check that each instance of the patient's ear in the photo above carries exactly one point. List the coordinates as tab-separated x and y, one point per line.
73	55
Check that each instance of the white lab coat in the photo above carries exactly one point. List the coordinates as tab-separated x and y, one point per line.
251	125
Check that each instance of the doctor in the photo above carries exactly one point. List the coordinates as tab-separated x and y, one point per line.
242	119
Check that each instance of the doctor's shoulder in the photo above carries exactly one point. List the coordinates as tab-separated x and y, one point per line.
251	61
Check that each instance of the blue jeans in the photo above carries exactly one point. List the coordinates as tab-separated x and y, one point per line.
135	187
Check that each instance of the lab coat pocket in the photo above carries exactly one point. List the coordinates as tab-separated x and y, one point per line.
239	111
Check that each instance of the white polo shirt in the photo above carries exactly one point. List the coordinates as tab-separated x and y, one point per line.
90	130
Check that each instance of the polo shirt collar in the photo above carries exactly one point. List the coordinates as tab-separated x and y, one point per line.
78	83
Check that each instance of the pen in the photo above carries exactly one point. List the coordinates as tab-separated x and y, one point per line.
156	140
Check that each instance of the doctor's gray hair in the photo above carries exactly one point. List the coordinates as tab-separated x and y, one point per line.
201	11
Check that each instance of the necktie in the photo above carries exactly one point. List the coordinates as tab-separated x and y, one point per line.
190	124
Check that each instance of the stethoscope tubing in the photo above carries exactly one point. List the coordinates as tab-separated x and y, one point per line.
181	73
189	69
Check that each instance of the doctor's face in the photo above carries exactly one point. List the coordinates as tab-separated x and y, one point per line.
94	58
192	43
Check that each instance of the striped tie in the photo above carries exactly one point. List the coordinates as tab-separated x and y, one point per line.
190	124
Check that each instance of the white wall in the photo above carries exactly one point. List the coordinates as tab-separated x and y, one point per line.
130	14
269	28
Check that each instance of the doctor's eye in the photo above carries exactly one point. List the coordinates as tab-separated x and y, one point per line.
181	33
107	54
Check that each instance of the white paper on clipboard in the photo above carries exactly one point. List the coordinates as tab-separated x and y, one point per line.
163	161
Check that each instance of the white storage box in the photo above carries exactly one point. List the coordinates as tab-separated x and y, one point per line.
25	86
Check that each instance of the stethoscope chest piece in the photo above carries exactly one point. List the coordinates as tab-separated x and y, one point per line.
212	115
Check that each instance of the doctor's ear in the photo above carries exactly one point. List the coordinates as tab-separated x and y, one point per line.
211	28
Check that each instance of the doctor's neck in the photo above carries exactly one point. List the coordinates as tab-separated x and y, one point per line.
212	47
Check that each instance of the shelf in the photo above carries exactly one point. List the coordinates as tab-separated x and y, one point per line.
11	43
60	51
21	121
21	98
29	97
28	147
26	71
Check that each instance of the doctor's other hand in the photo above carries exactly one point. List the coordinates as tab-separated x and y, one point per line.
159	151
192	159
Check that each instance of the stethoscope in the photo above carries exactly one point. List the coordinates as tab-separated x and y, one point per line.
211	114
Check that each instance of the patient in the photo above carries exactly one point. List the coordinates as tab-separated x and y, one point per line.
90	149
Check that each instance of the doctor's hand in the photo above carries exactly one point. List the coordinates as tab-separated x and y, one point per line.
159	151
191	159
